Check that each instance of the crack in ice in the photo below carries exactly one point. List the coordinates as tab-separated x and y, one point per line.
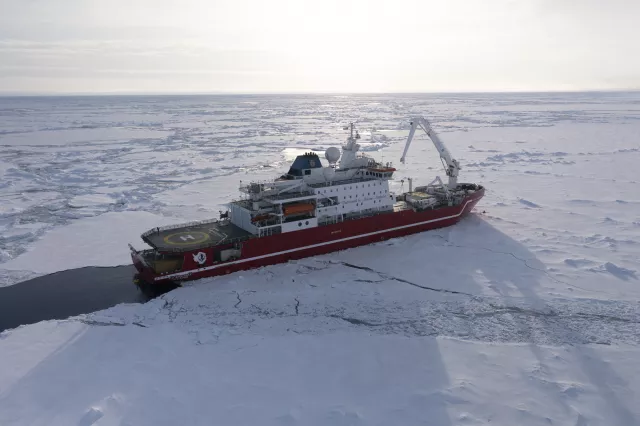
391	277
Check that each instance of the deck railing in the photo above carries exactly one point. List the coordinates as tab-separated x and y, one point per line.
207	244
159	229
288	195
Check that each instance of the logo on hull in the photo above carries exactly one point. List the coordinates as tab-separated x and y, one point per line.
200	257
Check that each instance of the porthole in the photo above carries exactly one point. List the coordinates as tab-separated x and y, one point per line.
299	223
307	222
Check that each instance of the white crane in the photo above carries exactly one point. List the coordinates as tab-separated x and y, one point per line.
451	165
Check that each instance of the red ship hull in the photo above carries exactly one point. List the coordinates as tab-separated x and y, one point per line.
280	248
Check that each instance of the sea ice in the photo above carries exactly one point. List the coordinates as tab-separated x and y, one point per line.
524	313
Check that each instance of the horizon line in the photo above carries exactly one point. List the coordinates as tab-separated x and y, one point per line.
259	93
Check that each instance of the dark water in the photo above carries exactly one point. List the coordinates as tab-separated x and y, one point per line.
68	293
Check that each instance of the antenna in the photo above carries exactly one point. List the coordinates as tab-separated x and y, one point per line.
351	127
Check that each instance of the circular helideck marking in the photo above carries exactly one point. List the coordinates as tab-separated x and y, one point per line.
186	238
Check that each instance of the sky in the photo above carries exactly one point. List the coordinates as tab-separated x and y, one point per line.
283	46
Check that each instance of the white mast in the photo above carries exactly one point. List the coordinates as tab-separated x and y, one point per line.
350	149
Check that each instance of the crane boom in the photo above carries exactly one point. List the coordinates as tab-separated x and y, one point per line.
451	165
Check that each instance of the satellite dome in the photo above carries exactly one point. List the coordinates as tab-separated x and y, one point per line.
332	154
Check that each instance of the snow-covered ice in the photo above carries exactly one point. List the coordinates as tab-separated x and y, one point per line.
94	241
525	313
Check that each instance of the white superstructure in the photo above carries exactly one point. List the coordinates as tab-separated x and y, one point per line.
352	185
310	194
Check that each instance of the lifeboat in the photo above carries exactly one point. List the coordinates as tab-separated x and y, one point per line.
300	208
381	169
260	217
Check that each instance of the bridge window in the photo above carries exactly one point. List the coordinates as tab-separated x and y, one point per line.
307	172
